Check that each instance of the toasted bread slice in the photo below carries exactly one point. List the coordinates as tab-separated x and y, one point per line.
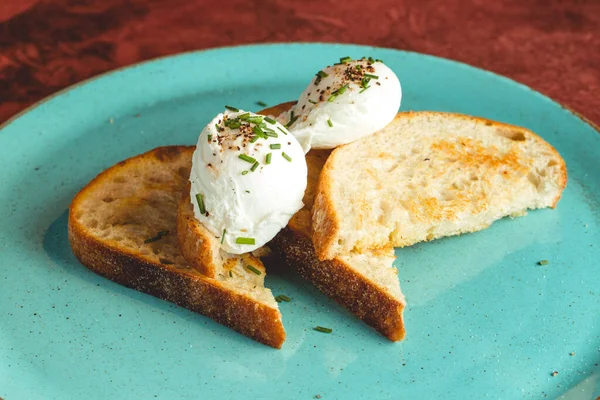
123	226
428	175
365	284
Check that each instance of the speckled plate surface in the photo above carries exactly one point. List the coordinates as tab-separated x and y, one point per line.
483	319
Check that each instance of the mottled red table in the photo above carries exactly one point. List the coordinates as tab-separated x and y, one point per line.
551	45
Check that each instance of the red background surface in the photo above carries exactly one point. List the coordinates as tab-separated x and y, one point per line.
551	45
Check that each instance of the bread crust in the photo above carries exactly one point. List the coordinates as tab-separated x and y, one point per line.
335	278
325	218
179	284
342	283
194	241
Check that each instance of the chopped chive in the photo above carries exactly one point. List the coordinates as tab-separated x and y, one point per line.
158	236
251	268
165	261
254	139
275	146
271	133
312	101
244	116
282	297
371	59
230	274
217	127
270	120
257	119
371	76
268	159
331	98
209	138
286	156
365	82
234	124
247	191
358	67
200	201
330	123
284	132
364	89
261	103
244	172
322	74
292	120
345	60
322	329
254	166
342	89
245	240
223	235
258	131
247	158
232	108
543	262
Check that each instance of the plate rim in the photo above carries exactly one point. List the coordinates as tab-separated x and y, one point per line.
28	109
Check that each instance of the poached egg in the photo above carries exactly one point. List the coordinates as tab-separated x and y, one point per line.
248	178
344	102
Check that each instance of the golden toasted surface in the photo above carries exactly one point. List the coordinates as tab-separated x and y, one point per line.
123	226
428	175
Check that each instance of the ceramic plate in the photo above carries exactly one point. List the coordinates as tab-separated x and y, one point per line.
484	320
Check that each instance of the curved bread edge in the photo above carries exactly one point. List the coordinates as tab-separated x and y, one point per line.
339	281
194	241
325	218
180	285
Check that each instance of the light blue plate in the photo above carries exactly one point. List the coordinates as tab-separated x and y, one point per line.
483	319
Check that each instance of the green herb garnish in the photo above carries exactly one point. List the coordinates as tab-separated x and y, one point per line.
230	274
254	166
244	116
247	158
363	89
286	156
271	133
543	262
345	60
165	261
217	127
158	236
320	75
255	119
232	108
330	123
275	146
312	101
244	172
322	329
223	235
270	120
209	138
245	240
251	268
261	103
293	119
268	159
284	132
200	201
371	76
282	297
